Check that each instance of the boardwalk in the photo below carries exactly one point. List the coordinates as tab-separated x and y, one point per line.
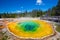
53	18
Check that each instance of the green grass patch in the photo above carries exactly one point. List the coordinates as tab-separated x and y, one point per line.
58	28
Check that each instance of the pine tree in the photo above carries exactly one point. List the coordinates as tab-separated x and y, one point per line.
58	9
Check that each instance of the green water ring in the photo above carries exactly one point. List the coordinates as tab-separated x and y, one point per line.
28	26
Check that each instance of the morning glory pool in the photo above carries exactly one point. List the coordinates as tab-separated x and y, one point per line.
31	28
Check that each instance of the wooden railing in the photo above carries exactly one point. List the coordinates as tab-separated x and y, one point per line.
53	18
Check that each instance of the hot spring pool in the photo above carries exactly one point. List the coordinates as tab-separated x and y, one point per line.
30	29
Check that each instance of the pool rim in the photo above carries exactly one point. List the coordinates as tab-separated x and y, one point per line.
31	37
